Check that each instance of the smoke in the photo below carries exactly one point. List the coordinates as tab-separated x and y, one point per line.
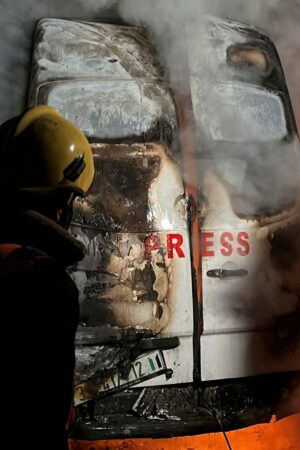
174	25
177	26
17	22
165	19
285	31
171	24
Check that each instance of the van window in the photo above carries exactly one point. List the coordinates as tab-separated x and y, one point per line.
114	109
243	135
239	112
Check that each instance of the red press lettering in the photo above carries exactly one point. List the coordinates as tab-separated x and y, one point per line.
174	242
225	240
207	243
152	242
243	239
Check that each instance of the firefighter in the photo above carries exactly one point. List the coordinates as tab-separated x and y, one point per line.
45	161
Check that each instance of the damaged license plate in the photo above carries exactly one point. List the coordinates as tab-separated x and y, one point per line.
143	368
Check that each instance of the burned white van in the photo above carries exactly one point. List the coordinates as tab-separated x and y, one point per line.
248	179
147	345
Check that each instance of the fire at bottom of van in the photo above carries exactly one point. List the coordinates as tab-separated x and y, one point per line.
210	178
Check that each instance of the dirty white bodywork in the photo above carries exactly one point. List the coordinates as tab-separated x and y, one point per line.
248	160
106	80
240	336
122	281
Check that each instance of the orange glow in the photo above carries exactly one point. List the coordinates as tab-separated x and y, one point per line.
184	108
281	435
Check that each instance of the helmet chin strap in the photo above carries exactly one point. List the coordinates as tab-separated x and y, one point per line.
65	213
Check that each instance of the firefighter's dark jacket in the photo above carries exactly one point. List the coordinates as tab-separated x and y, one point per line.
39	304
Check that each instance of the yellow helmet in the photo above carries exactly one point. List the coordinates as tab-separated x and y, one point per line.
43	151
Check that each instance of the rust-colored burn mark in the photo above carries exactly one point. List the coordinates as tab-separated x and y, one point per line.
250	56
190	171
185	119
277	435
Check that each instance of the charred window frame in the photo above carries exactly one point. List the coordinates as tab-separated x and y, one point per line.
272	79
161	132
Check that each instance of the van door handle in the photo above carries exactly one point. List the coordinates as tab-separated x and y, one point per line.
226	273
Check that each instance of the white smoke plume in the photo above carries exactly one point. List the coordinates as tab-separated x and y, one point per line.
281	18
167	19
172	23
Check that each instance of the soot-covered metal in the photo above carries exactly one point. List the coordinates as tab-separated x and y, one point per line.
138	307
124	286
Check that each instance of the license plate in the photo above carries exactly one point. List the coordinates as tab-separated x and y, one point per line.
143	368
